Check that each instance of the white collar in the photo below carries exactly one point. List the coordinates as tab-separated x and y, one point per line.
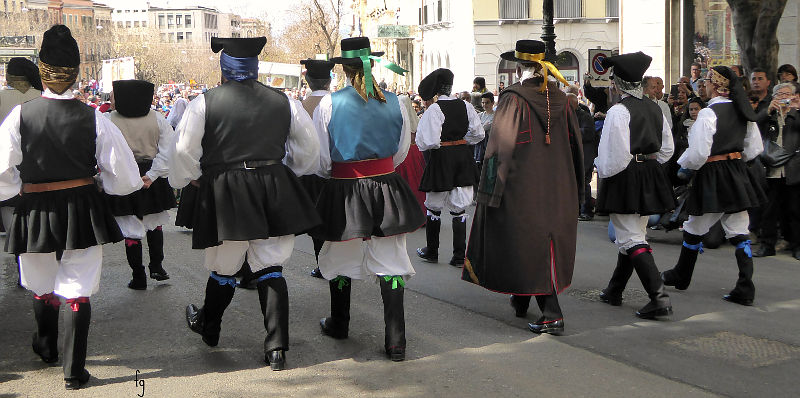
49	94
446	97
718	100
319	93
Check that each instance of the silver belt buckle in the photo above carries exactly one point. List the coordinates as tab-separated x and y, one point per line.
639	158
246	167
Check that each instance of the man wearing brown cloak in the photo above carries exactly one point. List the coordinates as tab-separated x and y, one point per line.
523	237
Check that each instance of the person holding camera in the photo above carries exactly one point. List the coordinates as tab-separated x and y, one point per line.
783	172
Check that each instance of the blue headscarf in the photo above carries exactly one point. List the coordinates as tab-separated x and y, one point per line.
238	69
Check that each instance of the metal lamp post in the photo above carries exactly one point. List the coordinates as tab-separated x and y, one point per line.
548	30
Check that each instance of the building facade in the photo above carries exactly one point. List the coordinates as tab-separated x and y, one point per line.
190	25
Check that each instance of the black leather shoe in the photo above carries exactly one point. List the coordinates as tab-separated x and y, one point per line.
138	284
796	254
77	382
764	251
158	273
276	359
520	311
738	300
616	301
646	313
329	328
316	273
428	255
457	262
550	327
585	217
194	318
396	354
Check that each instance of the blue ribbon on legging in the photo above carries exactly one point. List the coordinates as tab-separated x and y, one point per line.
224	280
746	246
270	275
698	247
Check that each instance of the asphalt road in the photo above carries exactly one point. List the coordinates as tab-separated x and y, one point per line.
463	341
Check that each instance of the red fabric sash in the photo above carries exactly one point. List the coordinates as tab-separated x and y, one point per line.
76	302
362	168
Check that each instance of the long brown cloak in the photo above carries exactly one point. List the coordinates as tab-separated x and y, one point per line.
523	235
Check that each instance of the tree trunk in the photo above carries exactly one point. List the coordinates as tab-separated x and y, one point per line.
756	26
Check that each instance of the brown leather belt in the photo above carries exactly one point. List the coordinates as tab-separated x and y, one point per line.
726	156
453	143
57	185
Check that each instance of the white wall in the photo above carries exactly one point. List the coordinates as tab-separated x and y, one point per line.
788	32
453	45
643	28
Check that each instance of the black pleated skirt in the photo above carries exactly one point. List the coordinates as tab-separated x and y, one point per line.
68	219
157	198
241	205
313	185
725	186
360	208
185	216
642	188
448	168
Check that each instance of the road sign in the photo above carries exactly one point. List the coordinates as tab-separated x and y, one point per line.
598	74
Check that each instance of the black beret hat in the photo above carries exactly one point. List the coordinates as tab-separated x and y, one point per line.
19	66
629	67
431	84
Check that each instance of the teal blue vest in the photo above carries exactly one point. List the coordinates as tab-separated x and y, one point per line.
363	130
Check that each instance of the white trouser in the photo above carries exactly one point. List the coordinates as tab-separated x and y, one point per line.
733	224
76	275
134	228
227	258
360	259
631	230
456	200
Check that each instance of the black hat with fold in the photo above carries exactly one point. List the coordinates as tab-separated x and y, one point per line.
132	98
628	71
439	81
59	59
318	69
24	68
524	50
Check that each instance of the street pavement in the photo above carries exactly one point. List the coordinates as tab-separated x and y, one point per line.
463	341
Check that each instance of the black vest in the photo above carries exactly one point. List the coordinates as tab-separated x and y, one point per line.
58	140
646	125
456	123
731	129
245	121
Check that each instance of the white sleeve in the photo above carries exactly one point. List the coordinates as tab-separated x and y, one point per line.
701	137
302	145
322	116
667	145
405	138
184	164
475	133
614	151
119	174
753	145
429	129
166	138
10	155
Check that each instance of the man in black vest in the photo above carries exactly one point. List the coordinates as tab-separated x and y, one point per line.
448	129
249	202
53	147
722	139
142	213
635	142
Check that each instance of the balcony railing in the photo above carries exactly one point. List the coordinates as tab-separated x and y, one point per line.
568	8
612	8
514	9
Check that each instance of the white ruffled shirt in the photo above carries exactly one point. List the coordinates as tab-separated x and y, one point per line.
701	137
119	174
302	145
614	151
429	129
